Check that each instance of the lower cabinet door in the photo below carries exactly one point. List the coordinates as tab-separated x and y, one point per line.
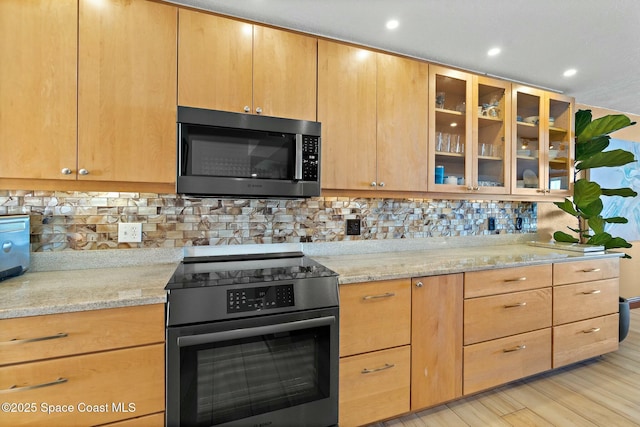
582	340
374	386
496	362
84	390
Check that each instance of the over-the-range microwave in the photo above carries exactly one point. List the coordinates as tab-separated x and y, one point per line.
228	154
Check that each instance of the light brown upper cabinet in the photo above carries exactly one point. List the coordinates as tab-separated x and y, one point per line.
38	40
229	65
88	92
373	110
542	160
126	91
469	116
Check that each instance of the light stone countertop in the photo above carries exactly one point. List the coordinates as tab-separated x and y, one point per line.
419	263
48	292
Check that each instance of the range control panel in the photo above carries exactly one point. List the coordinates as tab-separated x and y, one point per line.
260	298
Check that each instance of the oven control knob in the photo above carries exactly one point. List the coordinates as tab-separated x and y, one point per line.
419	285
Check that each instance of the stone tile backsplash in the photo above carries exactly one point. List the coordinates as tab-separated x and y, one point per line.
84	221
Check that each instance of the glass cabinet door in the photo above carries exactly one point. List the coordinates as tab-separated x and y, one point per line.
449	140
559	179
528	141
491	113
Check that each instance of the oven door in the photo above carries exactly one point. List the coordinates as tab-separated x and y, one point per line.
277	370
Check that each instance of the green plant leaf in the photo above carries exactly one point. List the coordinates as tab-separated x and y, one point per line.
561	236
622	192
575	230
617	242
582	118
616	220
592	209
602	126
610	158
567	206
591	147
599	239
597	224
585	192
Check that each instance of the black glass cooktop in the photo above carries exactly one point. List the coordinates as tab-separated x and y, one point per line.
232	270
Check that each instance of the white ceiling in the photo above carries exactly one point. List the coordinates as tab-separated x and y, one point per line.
539	39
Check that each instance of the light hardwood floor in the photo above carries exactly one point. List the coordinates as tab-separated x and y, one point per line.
604	391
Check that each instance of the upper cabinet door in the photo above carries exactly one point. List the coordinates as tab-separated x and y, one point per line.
491	135
402	114
214	62
38	40
127	91
450	130
284	74
560	134
347	111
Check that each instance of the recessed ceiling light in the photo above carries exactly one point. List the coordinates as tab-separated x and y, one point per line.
392	24
454	124
493	51
570	72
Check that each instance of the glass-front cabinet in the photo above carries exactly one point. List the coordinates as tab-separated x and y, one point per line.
467	145
449	148
492	128
541	142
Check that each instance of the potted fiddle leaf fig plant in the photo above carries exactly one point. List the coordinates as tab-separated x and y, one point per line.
591	140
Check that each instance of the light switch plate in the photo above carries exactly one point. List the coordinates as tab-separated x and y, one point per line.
129	232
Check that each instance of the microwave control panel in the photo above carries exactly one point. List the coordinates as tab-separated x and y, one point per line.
260	298
310	148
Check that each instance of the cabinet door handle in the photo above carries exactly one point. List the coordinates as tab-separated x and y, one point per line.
382	368
518	304
382	184
15	388
591	270
83	172
246	109
374	184
591	331
516	348
595	291
259	110
419	285
385	295
66	171
27	340
519	279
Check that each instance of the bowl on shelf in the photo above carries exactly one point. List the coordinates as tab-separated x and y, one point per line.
553	154
532	120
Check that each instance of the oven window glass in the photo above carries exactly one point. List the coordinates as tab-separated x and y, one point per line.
238	153
232	380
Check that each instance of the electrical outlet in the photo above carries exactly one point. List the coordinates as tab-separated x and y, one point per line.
518	223
353	227
492	224
129	232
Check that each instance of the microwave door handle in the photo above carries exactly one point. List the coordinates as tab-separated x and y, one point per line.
235	334
298	171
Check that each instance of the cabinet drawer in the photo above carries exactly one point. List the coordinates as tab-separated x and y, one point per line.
42	337
583	271
499	316
581	340
584	300
374	316
374	386
107	383
499	361
503	280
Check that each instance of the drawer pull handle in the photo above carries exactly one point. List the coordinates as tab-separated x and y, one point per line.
595	291
519	279
383	368
15	388
518	304
592	330
27	340
516	348
385	295
591	270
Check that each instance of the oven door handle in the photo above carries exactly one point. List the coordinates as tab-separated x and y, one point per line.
252	332
297	173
